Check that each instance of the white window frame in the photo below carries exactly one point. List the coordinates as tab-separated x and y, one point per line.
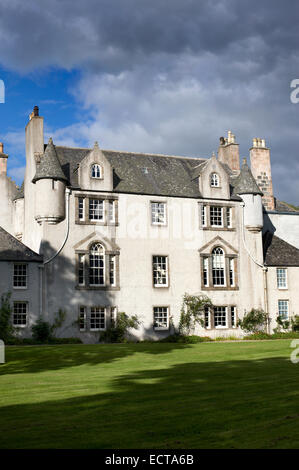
103	312
81	267
81	208
221	327
233	313
221	216
103	268
232	270
15	266
16	325
113	316
214	180
279	278
156	214
286	312
207	318
222	267
154	264
111	210
112	269
160	314
203	215
95	169
93	209
82	311
228	215
205	269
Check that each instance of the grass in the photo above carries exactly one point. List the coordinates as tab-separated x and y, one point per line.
209	395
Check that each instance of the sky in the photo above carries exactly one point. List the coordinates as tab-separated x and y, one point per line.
159	76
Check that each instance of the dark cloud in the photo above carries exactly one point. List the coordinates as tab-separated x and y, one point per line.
168	76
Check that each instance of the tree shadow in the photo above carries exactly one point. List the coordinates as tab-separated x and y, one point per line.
30	359
227	404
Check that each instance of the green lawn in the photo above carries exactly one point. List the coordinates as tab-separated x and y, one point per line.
209	395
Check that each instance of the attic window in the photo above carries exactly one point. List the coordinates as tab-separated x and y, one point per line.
214	180
96	171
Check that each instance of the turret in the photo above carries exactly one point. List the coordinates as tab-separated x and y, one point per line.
248	190
50	187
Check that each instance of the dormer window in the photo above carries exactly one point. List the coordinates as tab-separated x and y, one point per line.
96	171
214	180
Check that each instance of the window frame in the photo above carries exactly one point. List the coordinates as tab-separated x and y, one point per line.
158	203
20	325
159	286
212	179
278	278
83	310
161	328
14	275
98	168
94	307
99	268
287	303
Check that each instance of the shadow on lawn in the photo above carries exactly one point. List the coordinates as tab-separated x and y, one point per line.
237	404
22	360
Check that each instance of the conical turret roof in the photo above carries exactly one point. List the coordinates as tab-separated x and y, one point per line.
49	166
245	182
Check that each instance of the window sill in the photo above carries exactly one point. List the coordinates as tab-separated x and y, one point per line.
158	286
217	228
20	288
96	222
214	288
104	288
160	328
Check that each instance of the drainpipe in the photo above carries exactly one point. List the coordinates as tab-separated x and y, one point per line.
67	216
42	266
264	268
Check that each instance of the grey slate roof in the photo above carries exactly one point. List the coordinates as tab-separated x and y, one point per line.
281	206
19	193
277	252
12	249
245	182
49	166
143	173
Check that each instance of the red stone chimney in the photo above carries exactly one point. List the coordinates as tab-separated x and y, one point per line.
3	161
261	170
228	152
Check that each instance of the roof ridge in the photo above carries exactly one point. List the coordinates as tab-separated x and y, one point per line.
134	153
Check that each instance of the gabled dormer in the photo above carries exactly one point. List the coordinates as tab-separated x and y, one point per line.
95	172
213	180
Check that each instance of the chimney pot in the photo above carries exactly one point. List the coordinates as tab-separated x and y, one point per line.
1	147
36	111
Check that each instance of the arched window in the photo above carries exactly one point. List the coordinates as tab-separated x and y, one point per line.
96	171
218	266
214	180
96	265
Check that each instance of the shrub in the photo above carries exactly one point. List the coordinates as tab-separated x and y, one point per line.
295	323
6	328
118	332
41	331
259	335
254	321
192	312
281	324
186	339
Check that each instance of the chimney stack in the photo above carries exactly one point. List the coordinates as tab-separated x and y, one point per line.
261	169
228	151
3	160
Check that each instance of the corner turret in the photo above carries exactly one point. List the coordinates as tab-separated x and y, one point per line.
50	182
248	190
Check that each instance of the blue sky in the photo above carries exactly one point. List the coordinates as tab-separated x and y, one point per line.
169	77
